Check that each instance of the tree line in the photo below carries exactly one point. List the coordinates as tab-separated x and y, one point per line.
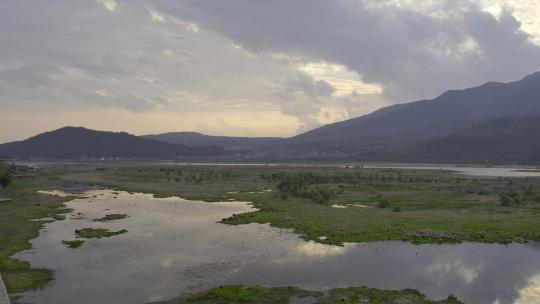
358	177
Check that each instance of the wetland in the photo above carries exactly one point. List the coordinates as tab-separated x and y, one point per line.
430	232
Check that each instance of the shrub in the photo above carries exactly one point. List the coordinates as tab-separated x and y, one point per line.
383	203
306	185
510	199
5	174
505	201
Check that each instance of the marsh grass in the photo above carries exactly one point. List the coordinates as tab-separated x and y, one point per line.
111	217
234	294
73	243
97	233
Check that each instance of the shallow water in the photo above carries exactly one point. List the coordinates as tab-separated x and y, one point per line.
174	246
469	171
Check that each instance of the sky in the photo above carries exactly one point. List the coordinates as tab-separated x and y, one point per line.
247	67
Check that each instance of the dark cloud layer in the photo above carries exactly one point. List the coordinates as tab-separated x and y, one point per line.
412	54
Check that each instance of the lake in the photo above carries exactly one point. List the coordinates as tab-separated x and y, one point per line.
175	246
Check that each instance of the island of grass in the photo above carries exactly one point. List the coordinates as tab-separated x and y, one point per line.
418	206
111	217
97	233
73	243
234	294
59	217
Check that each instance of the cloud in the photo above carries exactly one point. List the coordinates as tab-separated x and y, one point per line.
156	16
312	249
141	64
315	102
411	53
28	76
305	84
167	53
109	5
344	81
530	293
297	64
190	26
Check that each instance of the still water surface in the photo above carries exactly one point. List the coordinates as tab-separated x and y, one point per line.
464	170
175	246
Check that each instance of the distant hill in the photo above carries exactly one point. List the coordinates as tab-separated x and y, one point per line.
501	140
198	139
386	133
81	143
491	123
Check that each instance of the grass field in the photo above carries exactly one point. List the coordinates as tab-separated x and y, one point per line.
335	205
234	294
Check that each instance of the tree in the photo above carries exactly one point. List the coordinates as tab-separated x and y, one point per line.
5	174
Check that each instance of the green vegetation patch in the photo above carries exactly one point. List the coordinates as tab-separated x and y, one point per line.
377	296
19	222
6	173
93	233
73	243
249	294
111	217
234	294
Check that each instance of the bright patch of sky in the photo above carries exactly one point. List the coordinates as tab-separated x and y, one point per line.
344	81
526	11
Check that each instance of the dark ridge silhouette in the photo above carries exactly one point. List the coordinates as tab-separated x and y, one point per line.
198	139
81	143
500	140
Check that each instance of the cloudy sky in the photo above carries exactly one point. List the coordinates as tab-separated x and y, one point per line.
246	67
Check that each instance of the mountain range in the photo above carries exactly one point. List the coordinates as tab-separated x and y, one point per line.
507	140
80	143
404	127
227	142
492	123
